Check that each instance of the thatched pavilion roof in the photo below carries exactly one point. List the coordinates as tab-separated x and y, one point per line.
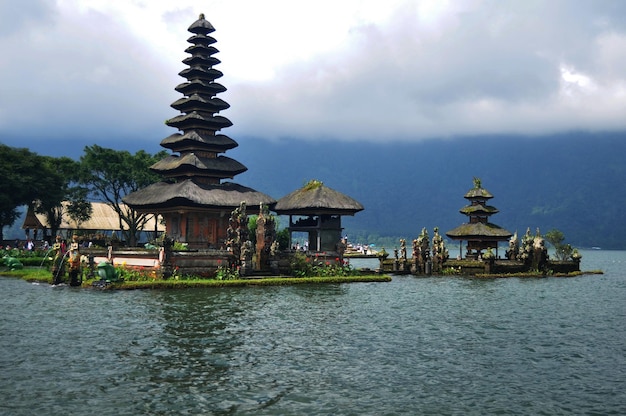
189	193
315	199
220	166
199	140
479	193
479	231
103	218
479	209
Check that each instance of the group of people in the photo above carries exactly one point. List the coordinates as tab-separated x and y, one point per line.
26	245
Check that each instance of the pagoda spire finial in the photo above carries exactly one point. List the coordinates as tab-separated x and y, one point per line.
201	16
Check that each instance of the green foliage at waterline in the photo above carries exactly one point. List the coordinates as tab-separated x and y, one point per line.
45	276
305	266
267	281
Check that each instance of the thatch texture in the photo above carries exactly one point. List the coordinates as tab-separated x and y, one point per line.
191	194
195	120
221	166
481	231
103	218
314	199
481	193
479	209
198	140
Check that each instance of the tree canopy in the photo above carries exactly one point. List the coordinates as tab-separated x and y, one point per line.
30	179
112	174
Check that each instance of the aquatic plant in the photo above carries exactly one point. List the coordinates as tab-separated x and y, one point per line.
226	273
305	266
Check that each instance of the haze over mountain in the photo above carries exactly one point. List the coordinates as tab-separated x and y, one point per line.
575	182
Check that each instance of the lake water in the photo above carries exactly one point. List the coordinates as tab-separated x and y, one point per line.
448	345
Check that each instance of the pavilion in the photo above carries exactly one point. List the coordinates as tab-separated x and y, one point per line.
479	233
103	223
316	210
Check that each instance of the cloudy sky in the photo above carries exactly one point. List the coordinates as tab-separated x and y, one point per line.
324	69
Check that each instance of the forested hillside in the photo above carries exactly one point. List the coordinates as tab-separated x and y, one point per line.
575	183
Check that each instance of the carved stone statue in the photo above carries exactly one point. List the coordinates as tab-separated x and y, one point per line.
246	258
237	232
513	252
422	249
526	250
57	262
403	249
402	264
265	235
74	262
540	252
440	252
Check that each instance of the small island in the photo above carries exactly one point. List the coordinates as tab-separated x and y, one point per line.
526	258
202	221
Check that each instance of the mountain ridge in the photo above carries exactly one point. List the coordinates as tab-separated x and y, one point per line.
573	182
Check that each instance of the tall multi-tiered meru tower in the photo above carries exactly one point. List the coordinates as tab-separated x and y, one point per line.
193	198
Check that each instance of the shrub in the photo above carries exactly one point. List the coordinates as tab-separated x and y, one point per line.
226	273
304	266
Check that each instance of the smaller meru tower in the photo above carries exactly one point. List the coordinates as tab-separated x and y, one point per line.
479	233
193	197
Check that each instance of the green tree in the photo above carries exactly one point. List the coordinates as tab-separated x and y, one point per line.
28	179
556	238
111	174
252	225
79	208
60	185
282	236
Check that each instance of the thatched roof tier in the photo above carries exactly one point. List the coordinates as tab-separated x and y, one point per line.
316	199
198	72
202	40
201	26
195	139
202	60
478	193
198	59
195	120
200	103
479	231
198	85
201	47
479	209
103	218
192	164
228	195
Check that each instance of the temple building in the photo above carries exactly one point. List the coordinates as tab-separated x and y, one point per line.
193	198
316	210
479	233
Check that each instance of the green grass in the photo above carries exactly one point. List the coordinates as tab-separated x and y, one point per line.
43	275
267	281
31	274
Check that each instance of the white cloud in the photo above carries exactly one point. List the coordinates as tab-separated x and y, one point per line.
354	70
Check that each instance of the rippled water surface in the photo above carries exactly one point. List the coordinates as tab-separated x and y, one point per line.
411	346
